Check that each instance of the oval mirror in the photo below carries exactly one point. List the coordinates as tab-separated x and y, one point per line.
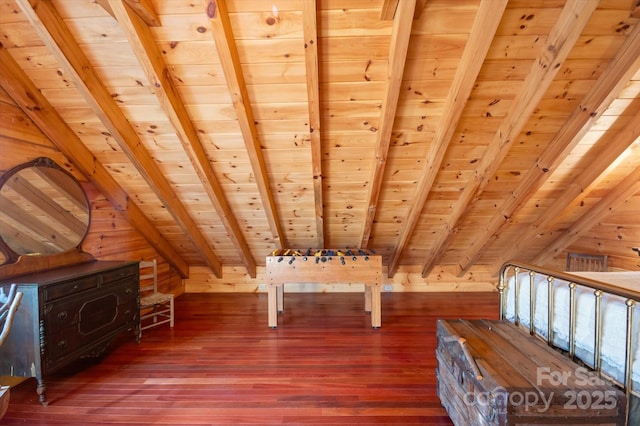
43	210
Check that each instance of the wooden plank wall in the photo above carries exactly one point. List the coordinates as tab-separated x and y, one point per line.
407	279
615	236
110	235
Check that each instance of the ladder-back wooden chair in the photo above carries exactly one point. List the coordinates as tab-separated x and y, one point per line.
156	308
583	262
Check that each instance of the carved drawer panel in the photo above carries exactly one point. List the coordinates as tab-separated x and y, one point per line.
72	287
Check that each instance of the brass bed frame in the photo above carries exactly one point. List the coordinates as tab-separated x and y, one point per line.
599	290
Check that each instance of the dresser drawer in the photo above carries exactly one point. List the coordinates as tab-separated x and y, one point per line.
120	273
69	288
89	319
61	315
94	310
63	289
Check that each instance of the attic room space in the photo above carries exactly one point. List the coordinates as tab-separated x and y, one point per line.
304	175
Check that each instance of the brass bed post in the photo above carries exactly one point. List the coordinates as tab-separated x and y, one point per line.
597	343
572	319
550	310
516	296
627	356
532	303
501	287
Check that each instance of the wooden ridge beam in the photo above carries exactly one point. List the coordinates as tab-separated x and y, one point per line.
60	42
24	92
483	30
151	59
574	16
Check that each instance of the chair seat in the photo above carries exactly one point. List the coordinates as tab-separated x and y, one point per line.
156	308
154	299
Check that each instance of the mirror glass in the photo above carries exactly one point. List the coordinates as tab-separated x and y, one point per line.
43	210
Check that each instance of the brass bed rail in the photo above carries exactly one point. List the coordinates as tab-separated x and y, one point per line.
630	297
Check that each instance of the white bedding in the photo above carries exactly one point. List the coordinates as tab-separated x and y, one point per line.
614	318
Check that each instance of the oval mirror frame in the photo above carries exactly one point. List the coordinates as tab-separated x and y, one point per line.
44	210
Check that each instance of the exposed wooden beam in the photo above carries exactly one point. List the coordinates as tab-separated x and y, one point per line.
482	32
388	11
605	152
629	186
27	96
389	8
310	29
151	59
143	8
12	126
228	53
57	37
621	68
573	17
635	9
395	70
145	11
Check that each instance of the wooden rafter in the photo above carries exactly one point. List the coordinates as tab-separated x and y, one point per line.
397	57
57	37
228	53
635	9
573	17
614	197
150	58
389	7
625	64
13	127
388	10
41	112
605	152
310	29
143	8
482	32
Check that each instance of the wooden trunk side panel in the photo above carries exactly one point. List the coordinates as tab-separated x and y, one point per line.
523	380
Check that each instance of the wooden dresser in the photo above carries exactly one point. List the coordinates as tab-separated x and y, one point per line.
69	313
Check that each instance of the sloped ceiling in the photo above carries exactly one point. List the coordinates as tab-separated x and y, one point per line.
432	131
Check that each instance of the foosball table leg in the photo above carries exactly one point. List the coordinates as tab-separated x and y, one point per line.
376	307
272	305
280	295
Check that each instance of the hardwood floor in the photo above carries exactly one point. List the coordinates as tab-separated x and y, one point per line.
221	364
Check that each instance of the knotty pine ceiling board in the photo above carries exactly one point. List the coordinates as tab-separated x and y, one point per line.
353	45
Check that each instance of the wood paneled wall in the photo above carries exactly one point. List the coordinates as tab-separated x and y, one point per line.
407	279
615	236
110	235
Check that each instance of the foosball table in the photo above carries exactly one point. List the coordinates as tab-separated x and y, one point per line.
323	266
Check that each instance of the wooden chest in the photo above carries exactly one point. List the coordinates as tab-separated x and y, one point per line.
493	373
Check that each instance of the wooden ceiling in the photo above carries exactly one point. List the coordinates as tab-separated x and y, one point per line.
432	131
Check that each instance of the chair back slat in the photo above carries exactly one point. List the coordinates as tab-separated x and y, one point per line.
585	262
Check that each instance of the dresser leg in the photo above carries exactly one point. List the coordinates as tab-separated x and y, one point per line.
41	389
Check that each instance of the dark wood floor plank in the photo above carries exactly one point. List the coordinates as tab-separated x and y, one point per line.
221	364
